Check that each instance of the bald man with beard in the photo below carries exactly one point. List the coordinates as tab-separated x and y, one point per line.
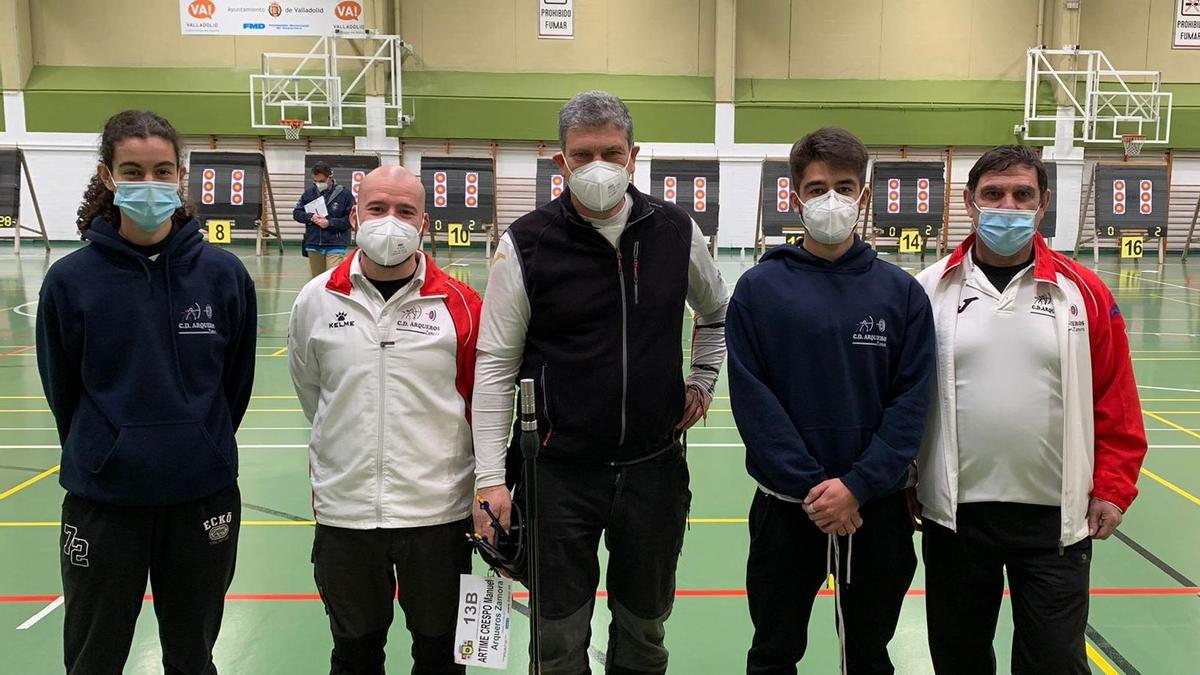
382	355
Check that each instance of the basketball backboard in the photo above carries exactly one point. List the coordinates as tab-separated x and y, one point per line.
1099	102
329	86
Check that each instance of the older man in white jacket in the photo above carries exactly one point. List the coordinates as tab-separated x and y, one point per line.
382	356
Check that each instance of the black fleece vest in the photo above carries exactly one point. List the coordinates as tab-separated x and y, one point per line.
606	328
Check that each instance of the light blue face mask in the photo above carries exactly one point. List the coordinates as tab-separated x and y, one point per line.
1006	231
148	203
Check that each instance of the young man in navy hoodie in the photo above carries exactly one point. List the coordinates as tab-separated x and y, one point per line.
831	351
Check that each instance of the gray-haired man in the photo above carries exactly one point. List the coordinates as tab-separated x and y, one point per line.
586	295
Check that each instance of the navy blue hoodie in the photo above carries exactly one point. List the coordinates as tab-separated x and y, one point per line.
147	366
339	202
829	370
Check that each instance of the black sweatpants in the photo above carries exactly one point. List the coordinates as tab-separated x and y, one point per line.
786	569
187	550
359	572
641	510
964	579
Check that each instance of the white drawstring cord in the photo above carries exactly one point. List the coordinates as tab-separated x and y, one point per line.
833	559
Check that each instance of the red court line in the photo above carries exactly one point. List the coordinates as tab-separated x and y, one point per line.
682	593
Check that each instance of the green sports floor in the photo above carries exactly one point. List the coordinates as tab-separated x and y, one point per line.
1145	610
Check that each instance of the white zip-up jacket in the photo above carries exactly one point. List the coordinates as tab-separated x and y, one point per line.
387	387
1104	438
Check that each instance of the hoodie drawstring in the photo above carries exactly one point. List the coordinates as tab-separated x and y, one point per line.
833	562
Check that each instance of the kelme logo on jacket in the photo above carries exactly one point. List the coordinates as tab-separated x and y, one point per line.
339	321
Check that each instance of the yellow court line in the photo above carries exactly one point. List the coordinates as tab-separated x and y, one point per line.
1171	424
280	352
1163	481
14	490
1101	662
1172	487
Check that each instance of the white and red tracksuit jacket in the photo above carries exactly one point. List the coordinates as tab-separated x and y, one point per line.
1104	437
387	387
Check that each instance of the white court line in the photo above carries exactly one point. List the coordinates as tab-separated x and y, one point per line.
239	430
276	314
715	445
1191	335
42	614
1190	391
1174	447
1182	302
1153	281
242	446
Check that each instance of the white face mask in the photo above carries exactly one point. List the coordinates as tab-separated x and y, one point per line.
388	241
831	217
600	185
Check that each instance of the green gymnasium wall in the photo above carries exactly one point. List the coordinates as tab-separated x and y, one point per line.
523	106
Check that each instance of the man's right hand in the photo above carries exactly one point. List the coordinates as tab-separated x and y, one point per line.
500	502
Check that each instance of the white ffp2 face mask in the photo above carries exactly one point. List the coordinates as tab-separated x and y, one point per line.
599	185
388	241
831	217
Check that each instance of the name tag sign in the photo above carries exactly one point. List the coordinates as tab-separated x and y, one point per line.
484	620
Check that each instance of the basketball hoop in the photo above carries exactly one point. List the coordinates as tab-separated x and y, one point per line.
1133	144
292	128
